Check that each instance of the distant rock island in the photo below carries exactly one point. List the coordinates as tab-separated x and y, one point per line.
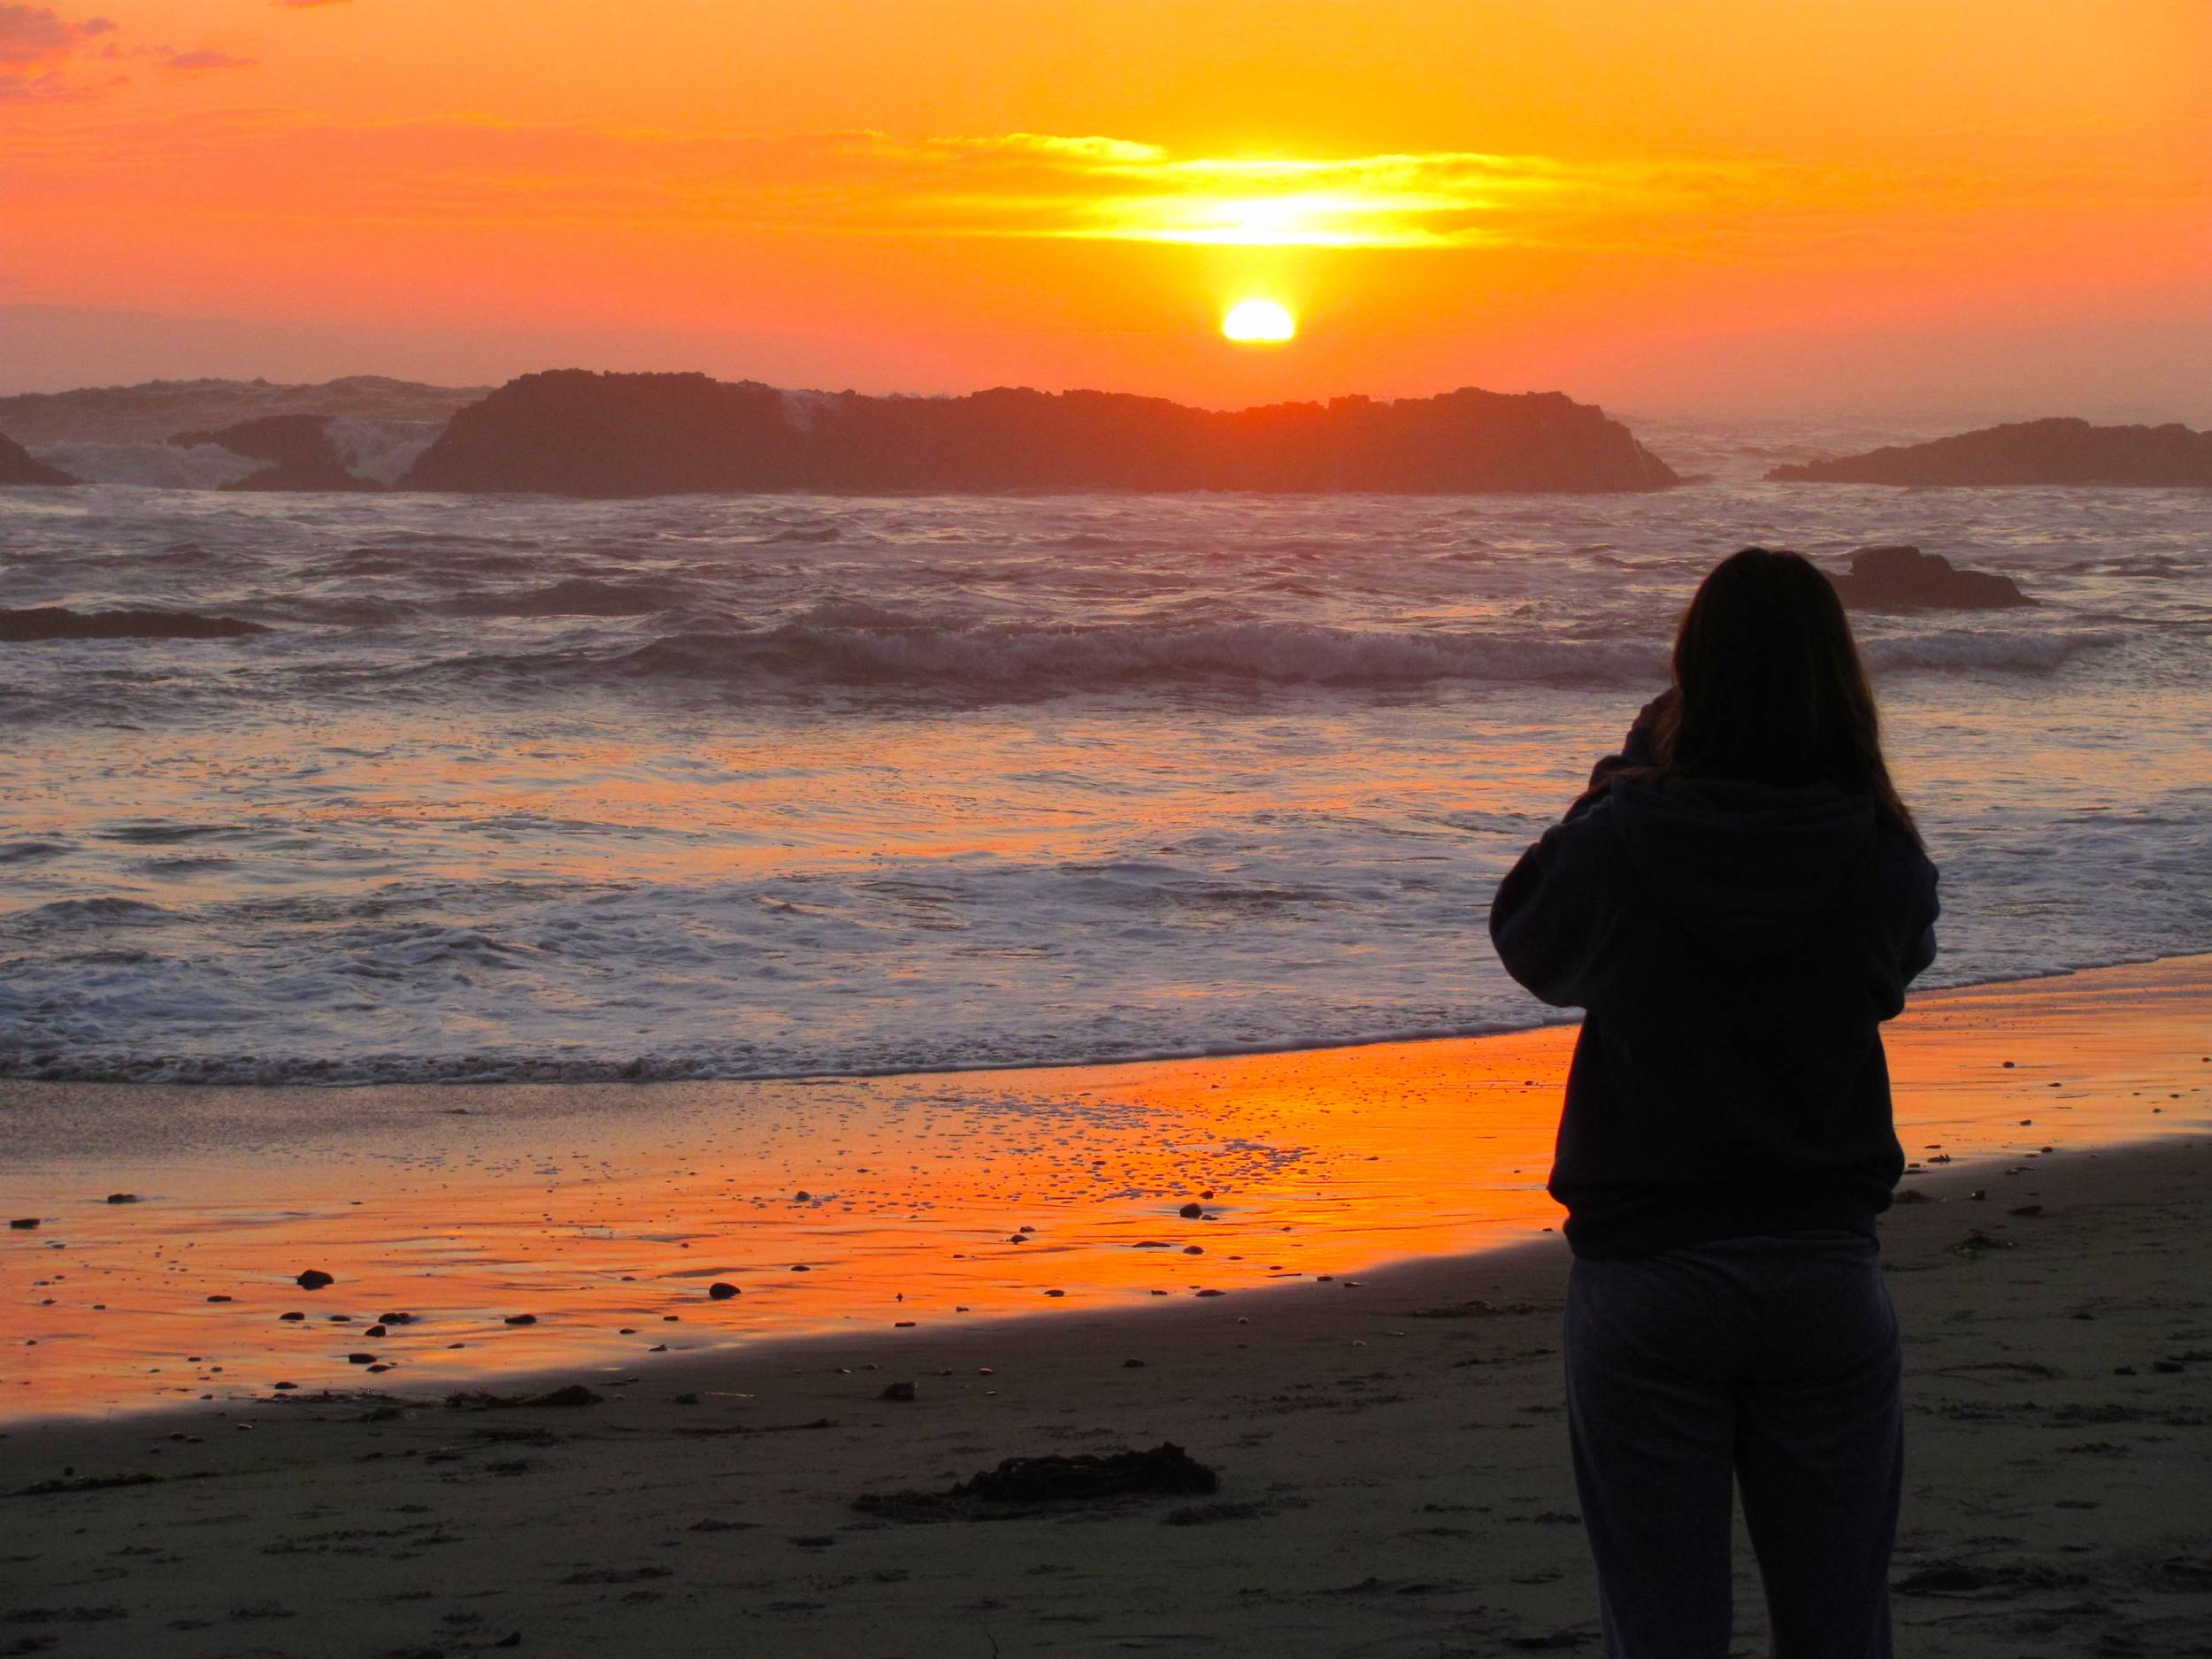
573	431
299	445
1906	578
16	466
151	411
2056	451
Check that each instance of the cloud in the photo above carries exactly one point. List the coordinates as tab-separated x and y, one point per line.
36	44
39	48
203	60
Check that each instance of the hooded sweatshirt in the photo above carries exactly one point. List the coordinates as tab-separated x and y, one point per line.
1736	947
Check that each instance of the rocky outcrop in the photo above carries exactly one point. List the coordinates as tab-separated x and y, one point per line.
1906	578
16	466
2058	452
300	446
150	411
59	622
574	432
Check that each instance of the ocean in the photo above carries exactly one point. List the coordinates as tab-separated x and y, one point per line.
697	787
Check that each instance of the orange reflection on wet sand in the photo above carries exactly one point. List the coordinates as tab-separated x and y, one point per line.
599	1216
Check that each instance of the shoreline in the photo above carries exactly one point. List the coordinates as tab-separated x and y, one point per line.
612	1074
1390	1452
569	1230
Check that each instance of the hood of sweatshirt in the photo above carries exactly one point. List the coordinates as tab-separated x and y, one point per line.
1745	868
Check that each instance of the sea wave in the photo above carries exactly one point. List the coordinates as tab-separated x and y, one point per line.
151	465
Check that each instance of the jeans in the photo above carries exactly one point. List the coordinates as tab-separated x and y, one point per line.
1770	1360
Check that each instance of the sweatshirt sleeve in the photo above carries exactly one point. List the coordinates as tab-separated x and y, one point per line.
1546	918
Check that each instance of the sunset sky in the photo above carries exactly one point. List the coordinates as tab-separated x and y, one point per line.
1659	204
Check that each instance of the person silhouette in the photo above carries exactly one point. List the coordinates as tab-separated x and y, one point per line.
1737	901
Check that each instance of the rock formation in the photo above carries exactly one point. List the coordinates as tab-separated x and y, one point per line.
1906	578
574	432
17	467
2057	452
300	446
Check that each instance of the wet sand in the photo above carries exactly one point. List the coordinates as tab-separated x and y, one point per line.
1392	1465
597	1217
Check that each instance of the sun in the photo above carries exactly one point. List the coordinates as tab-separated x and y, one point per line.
1259	323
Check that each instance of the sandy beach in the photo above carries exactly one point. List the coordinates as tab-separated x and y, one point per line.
1391	1463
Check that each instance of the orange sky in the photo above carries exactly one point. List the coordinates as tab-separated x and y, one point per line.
1657	203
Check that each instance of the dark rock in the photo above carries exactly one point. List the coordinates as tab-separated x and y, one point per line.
360	1359
218	1298
299	444
1191	1212
314	1278
721	1292
1026	1482
17	467
395	1319
292	1317
24	1224
483	1400
374	1330
1906	578
572	433
122	1198
901	1391
522	1319
2055	451
59	622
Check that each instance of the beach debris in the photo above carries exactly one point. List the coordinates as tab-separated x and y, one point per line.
899	1391
123	1198
314	1278
1022	1485
721	1290
484	1400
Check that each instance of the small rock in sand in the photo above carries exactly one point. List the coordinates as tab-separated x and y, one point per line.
360	1359
522	1319
897	1391
721	1291
122	1198
374	1330
1191	1212
24	1224
291	1318
314	1278
218	1298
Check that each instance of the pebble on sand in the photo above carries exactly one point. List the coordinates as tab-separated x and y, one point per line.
1191	1212
722	1290
522	1319
122	1198
314	1278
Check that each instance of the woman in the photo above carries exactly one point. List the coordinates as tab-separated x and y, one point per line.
1739	900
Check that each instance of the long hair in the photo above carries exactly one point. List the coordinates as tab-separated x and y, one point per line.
1769	686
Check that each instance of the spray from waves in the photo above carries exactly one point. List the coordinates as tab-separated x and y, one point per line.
381	449
151	465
